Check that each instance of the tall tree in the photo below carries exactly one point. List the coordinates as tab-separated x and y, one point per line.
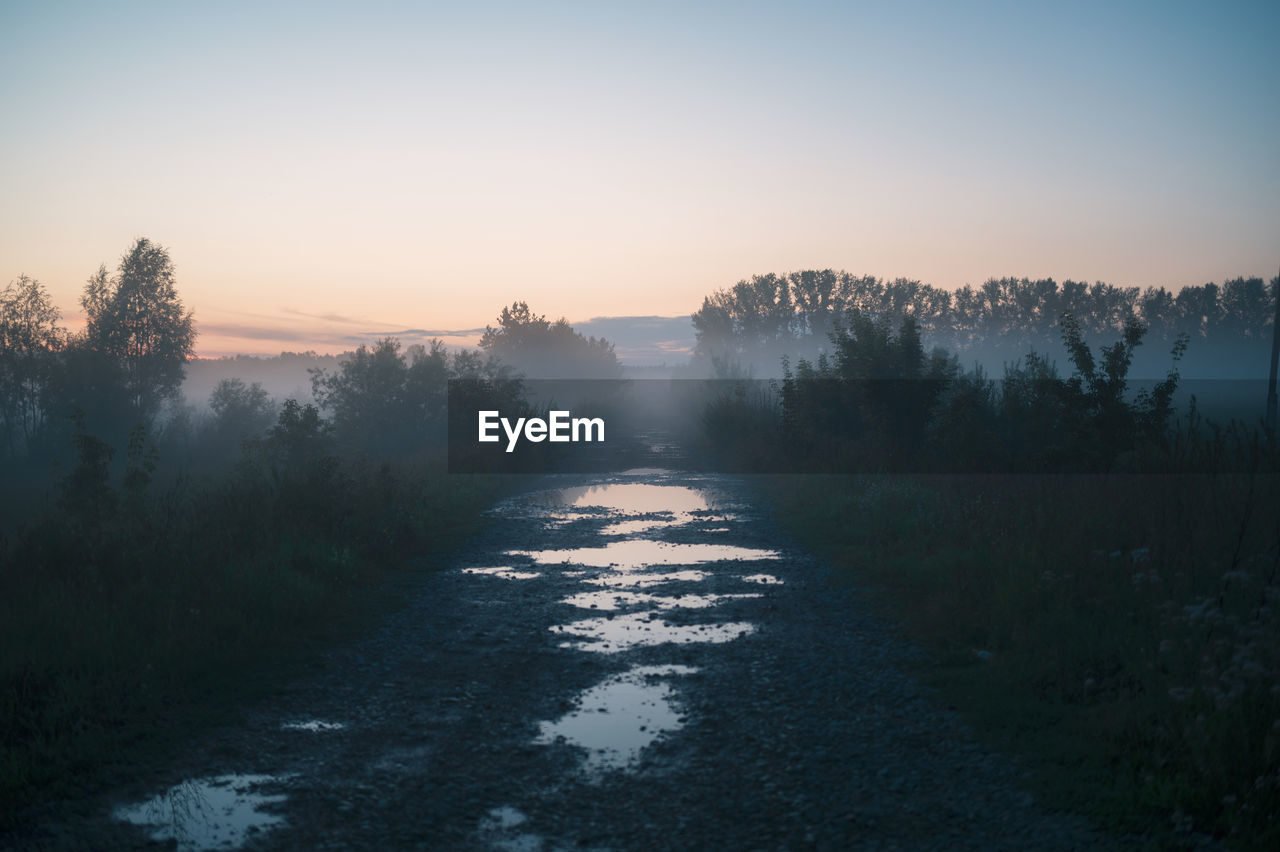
136	320
29	339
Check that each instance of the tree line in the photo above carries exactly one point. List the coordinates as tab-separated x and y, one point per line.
120	377
761	318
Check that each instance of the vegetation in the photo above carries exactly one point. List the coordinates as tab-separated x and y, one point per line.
1110	619
172	567
1116	634
757	321
29	337
548	350
127	615
1113	622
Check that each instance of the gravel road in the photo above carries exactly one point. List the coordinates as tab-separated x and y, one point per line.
636	661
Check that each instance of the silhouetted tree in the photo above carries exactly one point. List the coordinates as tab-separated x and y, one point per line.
29	342
136	320
753	323
548	350
387	403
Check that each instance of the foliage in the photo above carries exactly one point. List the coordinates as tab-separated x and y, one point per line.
241	411
761	319
386	403
136	319
30	339
871	401
1117	633
548	350
880	403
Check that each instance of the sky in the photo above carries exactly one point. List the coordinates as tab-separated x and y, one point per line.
322	173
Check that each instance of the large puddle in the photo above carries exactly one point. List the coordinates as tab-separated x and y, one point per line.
207	813
619	717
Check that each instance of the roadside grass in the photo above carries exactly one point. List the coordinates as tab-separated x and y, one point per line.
122	634
1119	635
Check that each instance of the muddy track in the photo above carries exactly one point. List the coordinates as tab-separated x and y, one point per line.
657	669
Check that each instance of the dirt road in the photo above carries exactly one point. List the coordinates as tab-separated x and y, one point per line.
636	661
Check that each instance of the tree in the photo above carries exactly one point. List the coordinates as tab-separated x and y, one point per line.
548	350
136	320
387	403
241	411
366	395
29	340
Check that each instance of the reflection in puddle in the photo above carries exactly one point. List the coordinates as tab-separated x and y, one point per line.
674	505
611	635
638	554
504	573
619	717
206	813
618	600
636	498
639	526
315	726
762	579
644	581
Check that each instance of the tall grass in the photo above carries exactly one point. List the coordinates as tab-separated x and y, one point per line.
1120	632
127	618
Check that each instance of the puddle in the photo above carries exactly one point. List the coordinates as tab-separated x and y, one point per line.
505	573
640	525
762	579
608	601
644	581
631	554
636	498
207	813
612	635
619	717
673	505
502	819
315	726
498	827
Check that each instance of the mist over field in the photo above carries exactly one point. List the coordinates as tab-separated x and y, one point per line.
681	427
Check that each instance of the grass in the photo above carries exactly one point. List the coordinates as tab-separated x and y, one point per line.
123	632
1118	634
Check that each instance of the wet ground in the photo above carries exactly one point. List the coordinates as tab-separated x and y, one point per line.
638	661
